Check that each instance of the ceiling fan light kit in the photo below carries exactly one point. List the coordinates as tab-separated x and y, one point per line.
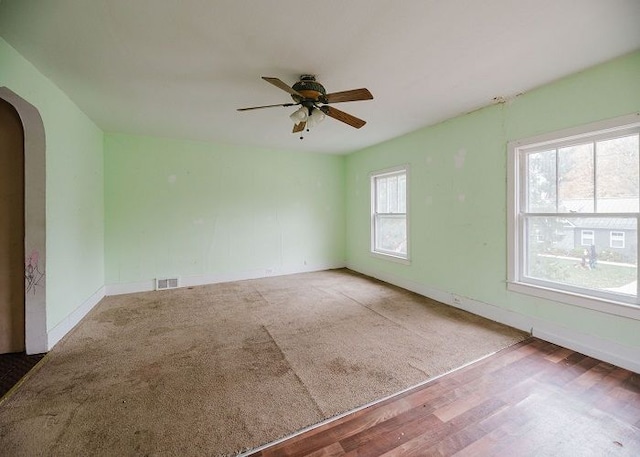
315	118
299	115
314	103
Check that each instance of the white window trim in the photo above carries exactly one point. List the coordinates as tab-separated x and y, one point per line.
621	238
392	256
514	202
591	237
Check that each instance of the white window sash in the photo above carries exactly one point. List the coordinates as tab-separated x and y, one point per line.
402	171
518	237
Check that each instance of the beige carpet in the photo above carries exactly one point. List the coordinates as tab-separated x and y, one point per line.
214	370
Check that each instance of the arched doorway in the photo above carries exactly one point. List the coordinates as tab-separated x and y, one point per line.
12	279
32	228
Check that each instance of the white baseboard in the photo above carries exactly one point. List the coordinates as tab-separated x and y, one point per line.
130	287
59	331
609	351
202	280
598	348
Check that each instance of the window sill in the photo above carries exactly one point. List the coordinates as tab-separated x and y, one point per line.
583	301
391	257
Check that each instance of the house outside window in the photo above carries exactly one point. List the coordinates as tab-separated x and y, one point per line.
616	240
580	189
587	237
389	225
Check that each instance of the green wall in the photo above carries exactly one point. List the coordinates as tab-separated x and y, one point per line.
458	237
74	188
191	209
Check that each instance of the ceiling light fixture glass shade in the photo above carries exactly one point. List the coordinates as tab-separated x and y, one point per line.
300	115
316	117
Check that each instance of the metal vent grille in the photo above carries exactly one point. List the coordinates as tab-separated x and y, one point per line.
166	283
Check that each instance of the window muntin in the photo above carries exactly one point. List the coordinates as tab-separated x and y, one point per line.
389	213
585	177
572	193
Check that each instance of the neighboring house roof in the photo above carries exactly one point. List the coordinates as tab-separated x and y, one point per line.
601	223
605	205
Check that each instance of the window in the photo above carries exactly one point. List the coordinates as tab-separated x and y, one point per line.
570	190
587	238
389	213
616	240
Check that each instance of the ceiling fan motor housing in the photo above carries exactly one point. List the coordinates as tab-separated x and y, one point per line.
309	88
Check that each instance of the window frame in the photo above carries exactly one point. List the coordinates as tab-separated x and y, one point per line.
621	238
373	176
516	226
591	238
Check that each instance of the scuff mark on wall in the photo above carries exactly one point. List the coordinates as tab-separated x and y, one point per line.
459	158
32	274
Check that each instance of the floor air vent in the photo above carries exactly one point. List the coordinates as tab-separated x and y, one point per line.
166	283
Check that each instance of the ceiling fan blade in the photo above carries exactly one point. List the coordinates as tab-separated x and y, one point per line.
299	127
278	83
342	116
348	96
266	106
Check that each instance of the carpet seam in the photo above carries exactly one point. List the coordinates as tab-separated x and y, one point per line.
410	330
371	404
284	356
315	403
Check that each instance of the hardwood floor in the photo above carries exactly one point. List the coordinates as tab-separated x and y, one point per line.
532	399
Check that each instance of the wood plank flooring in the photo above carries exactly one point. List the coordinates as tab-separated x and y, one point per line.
532	399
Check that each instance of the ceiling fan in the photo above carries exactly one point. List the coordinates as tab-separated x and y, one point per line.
314	102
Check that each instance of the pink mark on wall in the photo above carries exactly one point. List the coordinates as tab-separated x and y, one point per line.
32	274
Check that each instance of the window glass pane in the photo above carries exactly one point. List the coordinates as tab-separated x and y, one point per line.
617	175
575	183
541	185
392	188
402	193
391	234
389	219
382	203
554	252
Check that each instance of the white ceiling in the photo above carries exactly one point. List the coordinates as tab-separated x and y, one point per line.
180	68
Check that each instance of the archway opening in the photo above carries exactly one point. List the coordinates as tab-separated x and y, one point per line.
33	232
12	278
